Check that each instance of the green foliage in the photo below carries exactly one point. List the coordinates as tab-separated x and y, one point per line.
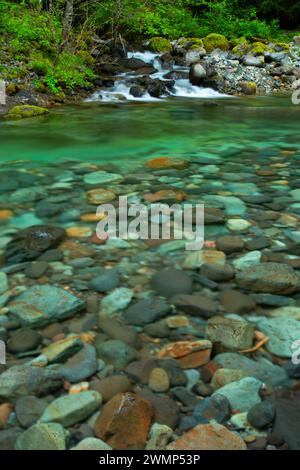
232	19
145	18
29	26
70	72
35	37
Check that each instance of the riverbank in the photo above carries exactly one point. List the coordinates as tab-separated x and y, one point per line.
235	68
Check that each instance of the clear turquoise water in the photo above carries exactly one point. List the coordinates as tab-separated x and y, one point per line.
130	132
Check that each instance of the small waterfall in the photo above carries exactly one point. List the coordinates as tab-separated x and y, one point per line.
182	87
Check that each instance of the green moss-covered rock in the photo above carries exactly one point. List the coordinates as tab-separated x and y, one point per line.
160	45
25	111
238	41
216	41
191	43
259	48
11	89
241	49
282	46
248	88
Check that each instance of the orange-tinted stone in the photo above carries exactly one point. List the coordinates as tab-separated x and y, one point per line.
167	162
166	194
5	214
98	241
188	353
124	422
78	232
265	172
208	437
196	359
78	388
5	411
93	217
75	249
177	321
100	196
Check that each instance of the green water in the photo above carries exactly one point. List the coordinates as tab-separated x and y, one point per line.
131	132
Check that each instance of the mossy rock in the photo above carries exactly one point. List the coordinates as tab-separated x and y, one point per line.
12	89
283	46
238	41
59	97
248	88
259	48
241	49
25	111
191	43
160	45
216	41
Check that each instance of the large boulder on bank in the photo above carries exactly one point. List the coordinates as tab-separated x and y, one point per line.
158	44
215	41
26	111
248	88
197	74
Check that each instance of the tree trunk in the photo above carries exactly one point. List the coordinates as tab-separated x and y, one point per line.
68	19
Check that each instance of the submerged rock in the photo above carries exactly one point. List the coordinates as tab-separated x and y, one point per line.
43	304
124	422
22	380
169	282
31	242
71	409
208	437
261	415
283	332
41	436
91	443
243	394
29	409
146	311
262	369
81	365
229	333
273	278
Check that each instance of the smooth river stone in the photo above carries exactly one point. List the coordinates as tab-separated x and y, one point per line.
42	436
262	369
282	333
101	177
212	436
242	394
43	304
273	278
71	409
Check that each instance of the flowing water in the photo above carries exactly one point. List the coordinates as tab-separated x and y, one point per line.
129	132
182	87
192	122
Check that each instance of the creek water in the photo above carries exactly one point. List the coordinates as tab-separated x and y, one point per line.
130	132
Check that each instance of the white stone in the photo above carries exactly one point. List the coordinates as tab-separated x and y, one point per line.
237	225
250	259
